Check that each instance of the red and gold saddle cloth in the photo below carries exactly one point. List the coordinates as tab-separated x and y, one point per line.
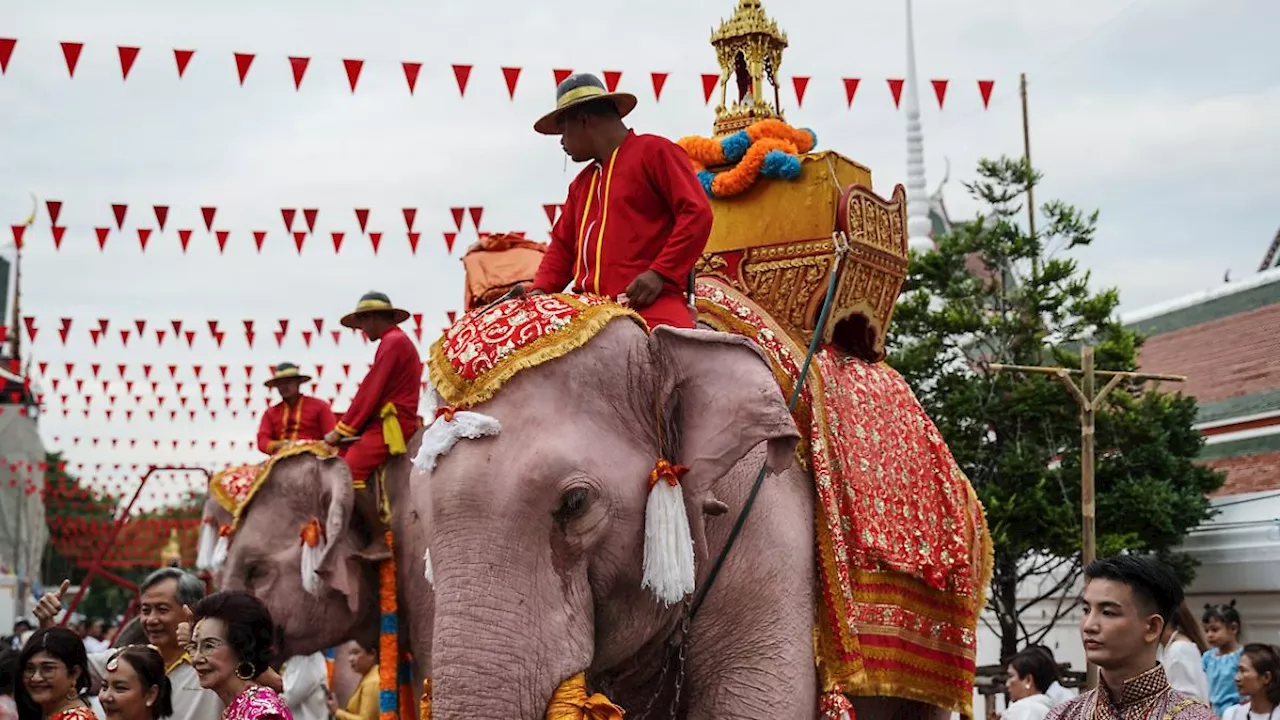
234	487
903	552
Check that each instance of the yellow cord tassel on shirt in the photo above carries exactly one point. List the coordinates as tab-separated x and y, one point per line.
571	702
391	433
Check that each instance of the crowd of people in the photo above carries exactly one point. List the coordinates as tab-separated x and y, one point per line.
201	657
1155	660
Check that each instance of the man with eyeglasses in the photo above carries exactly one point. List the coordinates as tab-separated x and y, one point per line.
164	600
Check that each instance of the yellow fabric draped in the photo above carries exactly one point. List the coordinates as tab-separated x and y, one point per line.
391	432
571	702
424	704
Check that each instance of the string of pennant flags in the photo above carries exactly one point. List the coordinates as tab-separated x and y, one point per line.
353	69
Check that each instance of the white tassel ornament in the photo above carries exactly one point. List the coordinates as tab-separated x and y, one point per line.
427	572
208	541
668	543
221	548
447	429
312	550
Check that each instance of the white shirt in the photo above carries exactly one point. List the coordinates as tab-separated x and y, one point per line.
1242	712
304	679
1033	707
1059	694
1183	667
94	645
190	701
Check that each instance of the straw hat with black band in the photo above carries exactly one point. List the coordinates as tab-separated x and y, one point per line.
286	371
577	90
374	302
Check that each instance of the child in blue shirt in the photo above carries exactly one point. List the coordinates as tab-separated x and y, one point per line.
1222	632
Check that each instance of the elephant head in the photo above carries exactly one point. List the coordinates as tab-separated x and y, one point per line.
538	533
306	505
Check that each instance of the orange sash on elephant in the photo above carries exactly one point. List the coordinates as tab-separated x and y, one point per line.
904	555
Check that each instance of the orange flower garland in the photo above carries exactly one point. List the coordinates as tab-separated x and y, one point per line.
768	147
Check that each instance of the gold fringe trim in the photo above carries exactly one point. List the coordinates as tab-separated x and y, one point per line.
457	391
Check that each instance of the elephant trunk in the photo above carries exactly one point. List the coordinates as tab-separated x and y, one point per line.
497	649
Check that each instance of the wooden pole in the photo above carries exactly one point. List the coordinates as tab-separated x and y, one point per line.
1089	401
1026	153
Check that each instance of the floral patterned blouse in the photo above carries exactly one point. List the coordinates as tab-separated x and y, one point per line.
79	713
257	703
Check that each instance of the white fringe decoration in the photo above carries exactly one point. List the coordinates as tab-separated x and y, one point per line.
208	540
668	544
427	572
443	434
312	552
220	550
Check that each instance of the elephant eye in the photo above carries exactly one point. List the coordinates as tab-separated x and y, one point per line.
572	504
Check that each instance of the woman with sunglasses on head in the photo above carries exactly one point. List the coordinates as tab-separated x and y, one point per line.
135	686
55	677
231	644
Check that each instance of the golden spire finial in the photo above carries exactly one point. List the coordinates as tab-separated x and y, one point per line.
171	555
749	48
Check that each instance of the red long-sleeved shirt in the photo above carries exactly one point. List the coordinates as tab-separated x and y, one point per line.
643	209
395	377
309	419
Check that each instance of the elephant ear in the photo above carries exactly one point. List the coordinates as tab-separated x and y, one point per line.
728	403
339	565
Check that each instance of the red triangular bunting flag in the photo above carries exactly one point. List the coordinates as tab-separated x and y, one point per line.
512	76
141	326
362	218
6	52
127	56
57	236
279	338
337	336
449	239
611	79
411	70
458	214
65	330
288	214
462	73
299	238
18	232
550	210
208	213
850	89
940	90
306	337
182	57
243	61
319	322
337	241
191	340
55	209
124	337
801	84
985	87
375	239
410	214
94	334
30	322
144	234
102	237
259	237
353	72
177	330
162	214
184	237
310	215
413	242
119	210
561	75
299	67
659	82
476	213
709	82
222	240
895	87
71	52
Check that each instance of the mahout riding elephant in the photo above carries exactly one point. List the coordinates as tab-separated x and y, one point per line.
537	538
266	558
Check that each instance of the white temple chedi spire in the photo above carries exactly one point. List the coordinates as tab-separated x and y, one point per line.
918	224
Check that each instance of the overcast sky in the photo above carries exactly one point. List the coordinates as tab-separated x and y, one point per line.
1160	113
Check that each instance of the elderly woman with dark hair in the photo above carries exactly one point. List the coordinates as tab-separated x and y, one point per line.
55	677
231	645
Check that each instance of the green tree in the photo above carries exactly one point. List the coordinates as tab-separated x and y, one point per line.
992	293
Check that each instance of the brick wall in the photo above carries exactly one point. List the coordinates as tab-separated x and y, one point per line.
1235	356
1250	473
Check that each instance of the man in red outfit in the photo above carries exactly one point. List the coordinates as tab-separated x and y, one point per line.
384	413
297	417
635	221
